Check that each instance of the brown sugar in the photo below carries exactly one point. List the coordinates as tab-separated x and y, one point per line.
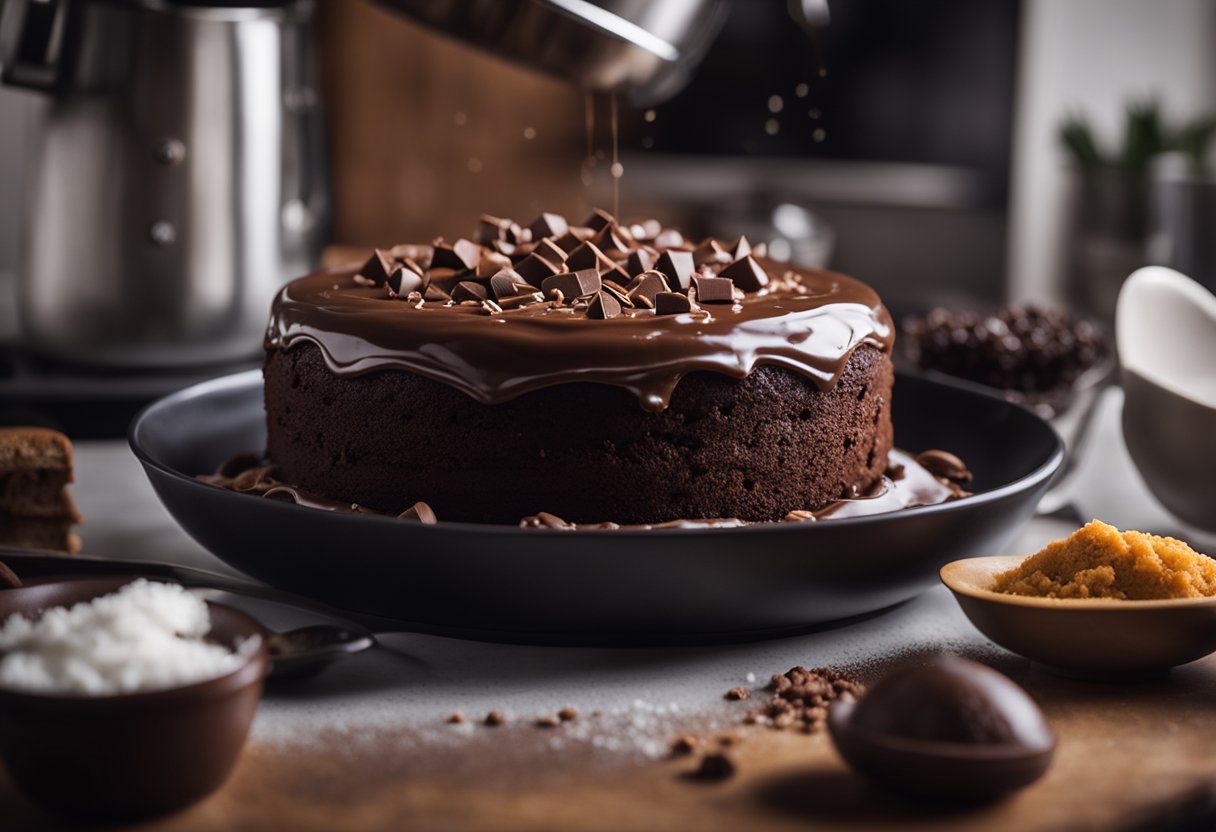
1099	561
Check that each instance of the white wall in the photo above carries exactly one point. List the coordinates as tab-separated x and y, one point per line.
1091	56
16	114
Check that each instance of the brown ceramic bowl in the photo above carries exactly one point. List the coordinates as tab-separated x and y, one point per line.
1083	637
133	755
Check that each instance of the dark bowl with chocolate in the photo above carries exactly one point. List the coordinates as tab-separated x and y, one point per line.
595	586
134	755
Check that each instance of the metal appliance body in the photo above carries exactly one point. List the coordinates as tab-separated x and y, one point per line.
179	178
643	49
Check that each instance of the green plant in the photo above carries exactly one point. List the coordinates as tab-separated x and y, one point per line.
1146	134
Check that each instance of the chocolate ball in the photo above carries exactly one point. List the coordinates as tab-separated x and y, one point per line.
949	728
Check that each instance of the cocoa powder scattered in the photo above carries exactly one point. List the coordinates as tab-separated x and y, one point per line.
801	698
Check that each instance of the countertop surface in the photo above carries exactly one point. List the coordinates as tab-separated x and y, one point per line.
368	745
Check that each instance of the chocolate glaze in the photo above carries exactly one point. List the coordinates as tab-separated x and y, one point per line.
809	321
906	484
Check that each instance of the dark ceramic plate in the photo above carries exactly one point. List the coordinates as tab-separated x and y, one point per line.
537	585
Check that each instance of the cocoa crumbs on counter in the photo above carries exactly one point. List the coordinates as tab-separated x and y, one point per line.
548	721
684	745
714	767
457	718
739	694
800	698
494	718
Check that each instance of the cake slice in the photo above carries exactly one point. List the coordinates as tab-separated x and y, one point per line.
36	509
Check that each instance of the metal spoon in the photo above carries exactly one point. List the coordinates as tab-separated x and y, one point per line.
305	652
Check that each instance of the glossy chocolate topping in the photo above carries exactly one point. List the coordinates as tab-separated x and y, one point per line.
569	310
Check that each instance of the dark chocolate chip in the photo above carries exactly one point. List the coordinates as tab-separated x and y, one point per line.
468	290
491	263
568	242
599	219
548	225
507	283
573	284
403	281
603	306
677	267
641	259
609	240
646	287
714	289
711	251
747	274
490	229
535	269
495	718
586	256
435	293
378	267
672	303
551	251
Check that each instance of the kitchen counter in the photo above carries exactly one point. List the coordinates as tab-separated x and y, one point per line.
368	745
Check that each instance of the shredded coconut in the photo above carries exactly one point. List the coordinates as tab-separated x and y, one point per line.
146	636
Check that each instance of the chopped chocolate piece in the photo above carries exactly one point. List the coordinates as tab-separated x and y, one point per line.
741	248
551	251
641	259
494	718
945	465
587	256
617	291
421	512
599	219
739	694
8	578
490	229
714	289
463	254
403	281
548	721
603	306
684	745
567	714
672	303
468	290
508	283
504	247
490	264
568	242
421	254
456	718
646	287
747	274
534	269
715	767
573	284
668	238
760	250
610	241
651	228
711	251
435	294
548	225
678	268
378	267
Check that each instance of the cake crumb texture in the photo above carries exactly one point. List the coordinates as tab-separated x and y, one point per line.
1099	561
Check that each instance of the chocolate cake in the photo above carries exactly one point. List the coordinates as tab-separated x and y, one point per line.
594	372
36	509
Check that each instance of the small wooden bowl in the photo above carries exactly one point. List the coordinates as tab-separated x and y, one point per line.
1079	637
134	755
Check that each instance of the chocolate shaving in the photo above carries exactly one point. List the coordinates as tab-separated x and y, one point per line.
573	284
403	281
467	290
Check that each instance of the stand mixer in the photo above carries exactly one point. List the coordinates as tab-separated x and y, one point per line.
180	175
